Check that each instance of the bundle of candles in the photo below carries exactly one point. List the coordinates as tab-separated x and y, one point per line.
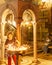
12	47
21	48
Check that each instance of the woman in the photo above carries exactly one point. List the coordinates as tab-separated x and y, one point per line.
10	42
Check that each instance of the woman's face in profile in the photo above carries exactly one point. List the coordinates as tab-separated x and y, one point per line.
10	36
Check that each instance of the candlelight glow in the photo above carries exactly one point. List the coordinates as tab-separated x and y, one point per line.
14	23
50	1
46	3
44	0
26	23
22	48
11	47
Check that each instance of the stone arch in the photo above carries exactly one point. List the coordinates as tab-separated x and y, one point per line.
3	9
5	13
5	23
31	7
33	21
31	13
8	6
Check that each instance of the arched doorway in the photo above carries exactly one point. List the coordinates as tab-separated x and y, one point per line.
7	17
8	22
28	31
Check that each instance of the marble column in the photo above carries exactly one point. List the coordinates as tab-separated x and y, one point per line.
2	61
34	42
19	34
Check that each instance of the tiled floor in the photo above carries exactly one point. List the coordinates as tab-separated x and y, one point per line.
43	59
47	56
28	61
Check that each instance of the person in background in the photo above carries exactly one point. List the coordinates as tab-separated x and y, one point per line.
45	47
